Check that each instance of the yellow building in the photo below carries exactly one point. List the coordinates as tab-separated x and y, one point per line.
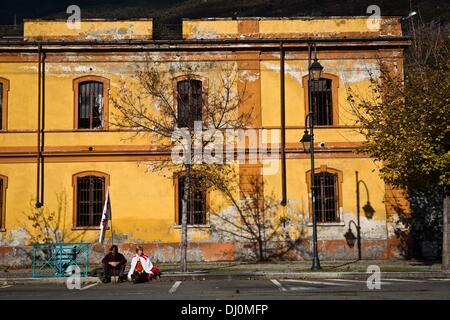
58	147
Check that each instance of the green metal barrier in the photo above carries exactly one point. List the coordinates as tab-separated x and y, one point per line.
54	259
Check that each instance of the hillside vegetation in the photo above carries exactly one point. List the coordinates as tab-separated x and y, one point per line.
167	14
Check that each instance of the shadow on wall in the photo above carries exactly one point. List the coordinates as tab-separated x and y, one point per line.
420	231
253	221
40	225
426	227
50	225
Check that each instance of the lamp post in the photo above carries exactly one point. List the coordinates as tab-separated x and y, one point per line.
315	72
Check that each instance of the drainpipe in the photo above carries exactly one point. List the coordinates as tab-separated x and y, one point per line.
40	129
42	126
38	159
283	129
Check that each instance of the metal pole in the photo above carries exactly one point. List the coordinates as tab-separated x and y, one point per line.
112	233
38	160
110	215
316	261
42	126
283	128
358	227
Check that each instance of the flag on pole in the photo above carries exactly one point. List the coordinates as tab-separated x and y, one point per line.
106	215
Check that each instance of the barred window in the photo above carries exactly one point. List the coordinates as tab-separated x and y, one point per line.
196	202
90	105
189	102
2	200
1	106
326	197
4	88
90	197
322	102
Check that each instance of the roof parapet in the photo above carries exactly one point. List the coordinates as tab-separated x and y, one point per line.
93	29
302	27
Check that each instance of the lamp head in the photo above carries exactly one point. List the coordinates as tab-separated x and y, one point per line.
411	14
306	141
316	70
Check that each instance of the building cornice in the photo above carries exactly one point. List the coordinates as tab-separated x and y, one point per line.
267	44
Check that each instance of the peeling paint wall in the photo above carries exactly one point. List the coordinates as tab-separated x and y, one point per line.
325	27
89	30
143	203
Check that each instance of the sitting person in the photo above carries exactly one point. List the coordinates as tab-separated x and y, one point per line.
113	265
142	269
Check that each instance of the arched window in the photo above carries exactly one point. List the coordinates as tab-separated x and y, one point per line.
89	198
328	194
3	186
189	102
324	99
91	102
197	201
4	88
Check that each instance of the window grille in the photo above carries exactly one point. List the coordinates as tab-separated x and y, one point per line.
90	200
1	106
189	102
196	202
1	202
326	197
322	102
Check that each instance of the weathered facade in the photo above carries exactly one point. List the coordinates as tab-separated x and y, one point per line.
76	148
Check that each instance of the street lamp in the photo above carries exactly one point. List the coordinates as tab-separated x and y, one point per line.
315	72
306	139
411	14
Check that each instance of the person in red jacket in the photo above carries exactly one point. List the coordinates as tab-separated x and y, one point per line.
113	265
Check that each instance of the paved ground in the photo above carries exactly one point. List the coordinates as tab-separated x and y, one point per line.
239	289
284	266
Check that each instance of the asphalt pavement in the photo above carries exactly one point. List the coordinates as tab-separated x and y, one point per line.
231	289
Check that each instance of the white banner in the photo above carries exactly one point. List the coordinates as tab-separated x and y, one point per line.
106	215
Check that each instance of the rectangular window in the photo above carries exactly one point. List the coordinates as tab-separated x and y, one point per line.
326	202
90	200
1	202
189	102
1	106
90	105
196	202
322	102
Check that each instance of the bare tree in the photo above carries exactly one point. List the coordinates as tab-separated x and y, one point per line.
254	218
170	102
49	225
